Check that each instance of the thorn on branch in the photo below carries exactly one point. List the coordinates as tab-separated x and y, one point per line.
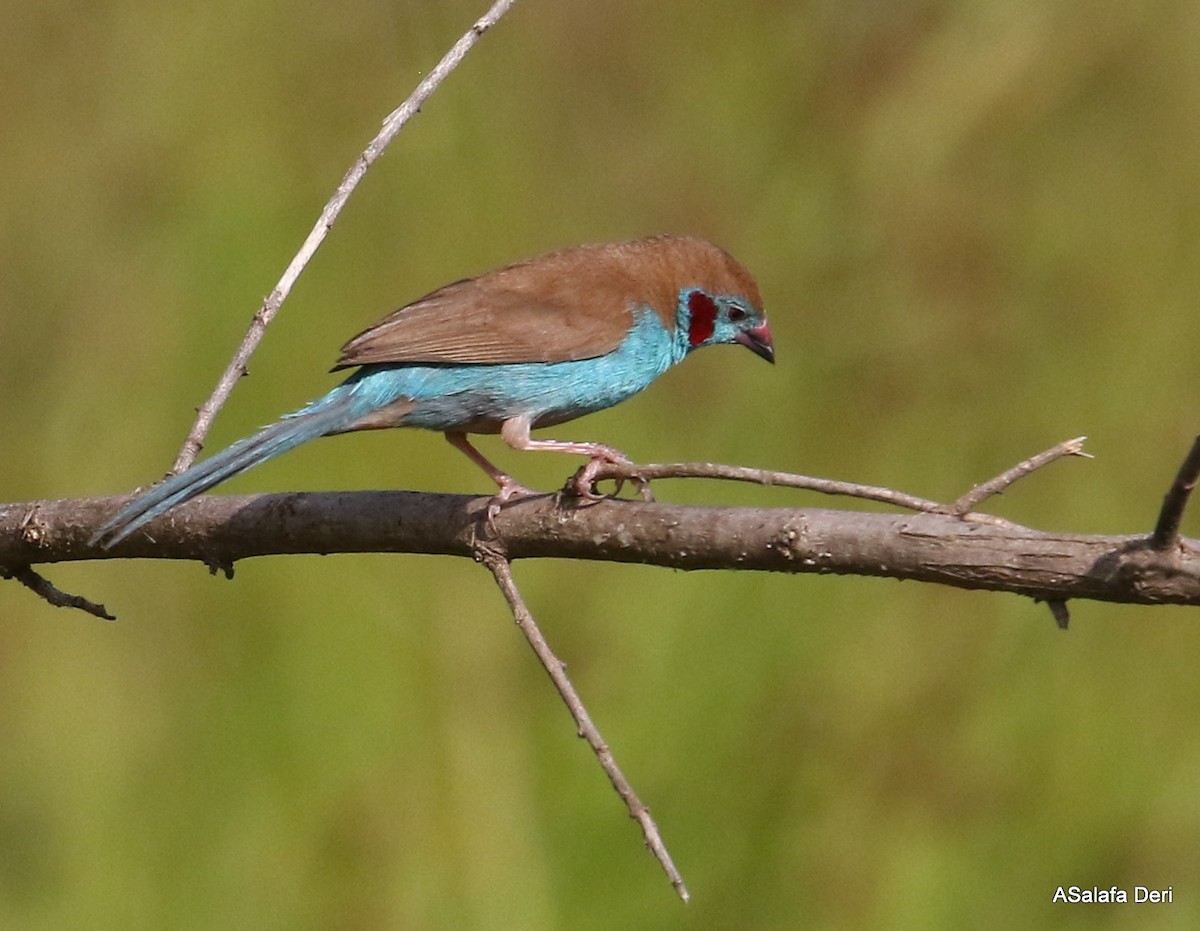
1062	615
223	566
45	589
1166	531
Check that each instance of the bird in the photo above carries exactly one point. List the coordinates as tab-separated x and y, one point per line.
528	345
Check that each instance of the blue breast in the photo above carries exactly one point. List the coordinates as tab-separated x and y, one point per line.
480	397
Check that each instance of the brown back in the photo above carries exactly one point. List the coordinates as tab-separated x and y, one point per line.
572	304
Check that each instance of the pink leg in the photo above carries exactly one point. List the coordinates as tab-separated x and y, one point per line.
509	486
515	433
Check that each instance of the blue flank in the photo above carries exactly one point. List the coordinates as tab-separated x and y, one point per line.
447	397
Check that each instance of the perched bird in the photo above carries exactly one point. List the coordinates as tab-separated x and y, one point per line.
529	345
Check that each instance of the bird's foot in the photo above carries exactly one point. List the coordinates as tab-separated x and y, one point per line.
582	484
509	488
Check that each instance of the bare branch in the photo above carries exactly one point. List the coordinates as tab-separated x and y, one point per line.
825	486
962	507
497	562
392	125
928	547
995	486
1166	531
45	589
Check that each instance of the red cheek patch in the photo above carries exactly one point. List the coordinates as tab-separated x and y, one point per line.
702	313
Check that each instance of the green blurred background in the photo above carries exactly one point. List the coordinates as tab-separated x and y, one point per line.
977	229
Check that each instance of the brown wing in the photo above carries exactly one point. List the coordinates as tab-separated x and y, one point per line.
574	304
484	321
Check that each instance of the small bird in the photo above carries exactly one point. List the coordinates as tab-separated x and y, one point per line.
529	345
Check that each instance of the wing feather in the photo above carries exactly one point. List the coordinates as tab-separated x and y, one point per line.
573	304
482	322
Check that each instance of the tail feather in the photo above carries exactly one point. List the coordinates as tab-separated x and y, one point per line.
330	414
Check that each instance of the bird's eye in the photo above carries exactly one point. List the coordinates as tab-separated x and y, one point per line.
736	313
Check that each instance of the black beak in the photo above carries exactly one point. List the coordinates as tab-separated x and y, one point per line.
758	340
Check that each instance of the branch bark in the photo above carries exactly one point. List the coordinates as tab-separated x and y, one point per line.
929	547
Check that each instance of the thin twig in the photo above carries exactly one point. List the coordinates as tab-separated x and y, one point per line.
1166	531
977	495
43	587
960	508
392	125
501	569
733	473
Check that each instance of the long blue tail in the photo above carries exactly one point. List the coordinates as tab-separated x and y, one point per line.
331	414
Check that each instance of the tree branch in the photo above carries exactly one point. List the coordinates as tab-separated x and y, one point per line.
392	125
960	508
45	589
731	473
492	556
930	547
936	544
984	490
1166	531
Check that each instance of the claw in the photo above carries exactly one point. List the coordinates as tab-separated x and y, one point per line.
582	484
508	490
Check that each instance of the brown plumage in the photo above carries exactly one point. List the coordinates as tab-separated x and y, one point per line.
564	306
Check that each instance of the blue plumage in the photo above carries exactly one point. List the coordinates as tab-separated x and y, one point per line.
537	356
447	396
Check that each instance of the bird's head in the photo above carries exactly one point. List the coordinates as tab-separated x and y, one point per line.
709	319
